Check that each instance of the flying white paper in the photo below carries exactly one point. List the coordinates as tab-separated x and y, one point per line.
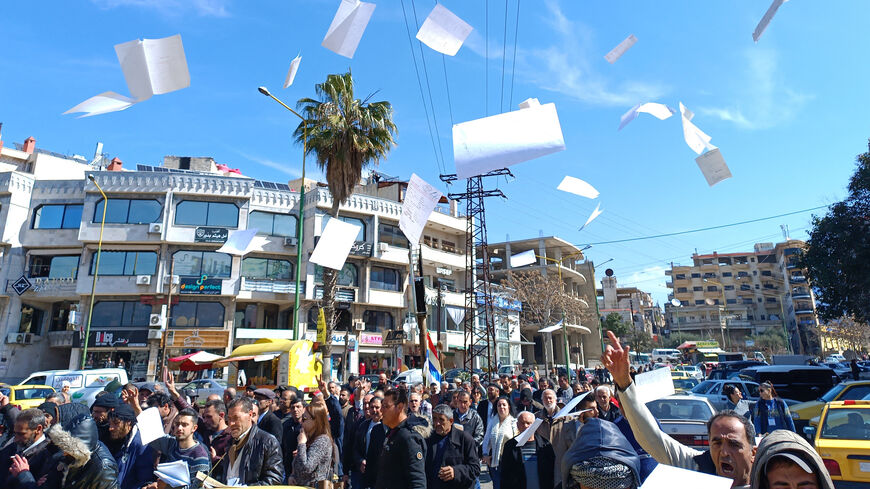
659	111
523	437
151	67
150	425
238	242
597	212
291	73
566	410
713	166
506	139
347	27
578	187
653	385
768	16
443	31
420	200
175	474
523	259
620	49
695	137
668	477
334	244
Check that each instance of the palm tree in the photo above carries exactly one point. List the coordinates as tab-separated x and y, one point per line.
346	134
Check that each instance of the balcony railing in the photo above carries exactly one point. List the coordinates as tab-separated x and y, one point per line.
798	278
341	294
267	285
63	339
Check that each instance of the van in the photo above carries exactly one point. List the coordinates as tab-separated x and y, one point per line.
83	384
411	377
660	355
797	382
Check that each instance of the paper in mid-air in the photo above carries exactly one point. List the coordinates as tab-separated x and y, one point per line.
443	31
668	476
695	137
523	437
150	425
420	201
713	166
506	139
620	49
597	212
578	187
242	242
174	474
522	259
291	73
659	111
334	244
347	27
151	67
765	21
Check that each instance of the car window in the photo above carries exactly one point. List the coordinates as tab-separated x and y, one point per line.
684	409
685	384
855	393
846	424
31	393
703	387
833	393
717	388
752	388
37	380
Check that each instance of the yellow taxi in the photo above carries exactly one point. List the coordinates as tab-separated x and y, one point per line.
842	439
26	396
802	413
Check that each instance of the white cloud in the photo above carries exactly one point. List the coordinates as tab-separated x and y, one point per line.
205	8
650	279
285	168
764	101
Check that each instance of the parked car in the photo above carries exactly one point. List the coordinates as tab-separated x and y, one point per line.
844	371
836	357
26	396
798	382
83	384
453	373
410	377
692	370
684	418
712	390
200	389
803	412
731	370
685	385
843	441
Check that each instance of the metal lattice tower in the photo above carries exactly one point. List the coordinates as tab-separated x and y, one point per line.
480	342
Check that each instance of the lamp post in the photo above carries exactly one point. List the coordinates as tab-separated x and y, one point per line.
96	270
299	227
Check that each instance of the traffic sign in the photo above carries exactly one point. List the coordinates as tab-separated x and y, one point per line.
22	285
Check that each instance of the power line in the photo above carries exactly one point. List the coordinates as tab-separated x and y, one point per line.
429	88
503	57
514	63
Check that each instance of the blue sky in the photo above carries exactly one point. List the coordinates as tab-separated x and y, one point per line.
789	113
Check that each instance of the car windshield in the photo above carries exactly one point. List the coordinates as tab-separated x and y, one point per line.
32	393
685	384
847	424
833	393
703	387
683	409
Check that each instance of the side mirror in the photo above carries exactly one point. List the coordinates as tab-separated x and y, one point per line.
810	431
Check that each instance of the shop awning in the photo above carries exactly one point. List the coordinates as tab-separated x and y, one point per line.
199	360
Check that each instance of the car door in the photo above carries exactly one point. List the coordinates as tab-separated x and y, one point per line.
717	397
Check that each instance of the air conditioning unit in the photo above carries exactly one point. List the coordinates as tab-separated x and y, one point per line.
359	325
155	228
157	321
291	241
383	247
154	334
175	279
143	279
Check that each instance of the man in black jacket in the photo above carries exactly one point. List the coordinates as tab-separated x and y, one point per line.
290	440
468	418
535	458
402	458
369	441
268	421
486	407
254	457
451	454
30	443
352	455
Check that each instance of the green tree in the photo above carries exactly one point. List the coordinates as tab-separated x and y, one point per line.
837	259
640	341
613	322
772	341
346	134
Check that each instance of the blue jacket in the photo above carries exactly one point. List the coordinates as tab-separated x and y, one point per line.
600	438
780	414
135	462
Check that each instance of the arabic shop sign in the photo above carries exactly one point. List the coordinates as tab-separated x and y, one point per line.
502	302
371	339
361	248
200	285
211	235
116	338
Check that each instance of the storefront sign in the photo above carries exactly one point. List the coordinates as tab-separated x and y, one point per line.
371	339
502	302
321	326
200	285
361	248
211	235
119	338
443	271
395	338
200	339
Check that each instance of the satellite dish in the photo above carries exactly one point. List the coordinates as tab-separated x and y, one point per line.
609	272
676	302
710	302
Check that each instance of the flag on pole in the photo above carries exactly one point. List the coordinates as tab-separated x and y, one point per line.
433	365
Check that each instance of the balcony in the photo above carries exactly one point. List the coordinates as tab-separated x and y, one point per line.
63	339
797	279
801	295
436	257
272	286
669	284
342	294
803	310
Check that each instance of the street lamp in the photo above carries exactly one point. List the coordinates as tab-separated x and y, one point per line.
299	227
96	270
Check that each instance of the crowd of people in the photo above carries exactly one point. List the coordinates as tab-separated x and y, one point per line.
363	436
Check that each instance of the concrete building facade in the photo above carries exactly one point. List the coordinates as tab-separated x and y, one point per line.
635	306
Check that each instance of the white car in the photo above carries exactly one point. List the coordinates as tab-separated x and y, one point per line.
200	389
692	370
684	418
410	377
835	358
661	355
84	384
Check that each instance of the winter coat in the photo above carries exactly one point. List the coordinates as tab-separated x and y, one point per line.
472	424
37	457
289	443
135	462
372	453
460	452
272	424
781	441
761	412
336	428
599	438
402	462
496	436
260	463
513	472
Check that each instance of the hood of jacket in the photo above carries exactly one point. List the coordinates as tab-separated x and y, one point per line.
69	445
419	424
781	441
600	438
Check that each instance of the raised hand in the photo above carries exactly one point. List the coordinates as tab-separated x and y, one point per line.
616	359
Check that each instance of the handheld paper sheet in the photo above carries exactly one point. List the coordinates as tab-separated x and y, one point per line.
443	31
668	477
291	73
620	49
506	139
420	200
347	27
334	244
150	425
238	242
653	385
102	104
768	16
522	259
597	212
174	474
578	187
523	437
713	166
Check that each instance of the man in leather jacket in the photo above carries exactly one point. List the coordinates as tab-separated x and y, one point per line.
254	456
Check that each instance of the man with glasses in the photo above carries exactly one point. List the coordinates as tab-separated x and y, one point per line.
267	421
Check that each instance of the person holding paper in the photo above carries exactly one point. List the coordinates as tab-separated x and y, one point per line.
530	466
732	437
451	454
550	408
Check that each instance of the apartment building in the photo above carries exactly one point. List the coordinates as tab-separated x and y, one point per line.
162	288
635	306
729	297
554	257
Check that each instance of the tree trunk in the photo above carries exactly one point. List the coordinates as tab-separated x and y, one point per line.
330	279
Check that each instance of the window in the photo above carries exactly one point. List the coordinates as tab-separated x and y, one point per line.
385	279
726	274
58	216
731	301
197	314
681	276
394	236
45	266
698	288
201	213
696	275
125	314
682	289
448	246
125	263
198	263
729	287
712	288
378	321
699	302
771	299
348	277
267	268
129	211
361	236
272	224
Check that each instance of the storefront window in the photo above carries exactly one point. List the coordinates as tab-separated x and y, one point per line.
198	263
128	211
392	235
272	224
189	314
45	266
125	263
378	321
348	276
58	216
113	314
200	213
266	268
385	279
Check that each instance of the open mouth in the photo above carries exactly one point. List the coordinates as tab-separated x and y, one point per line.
726	469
